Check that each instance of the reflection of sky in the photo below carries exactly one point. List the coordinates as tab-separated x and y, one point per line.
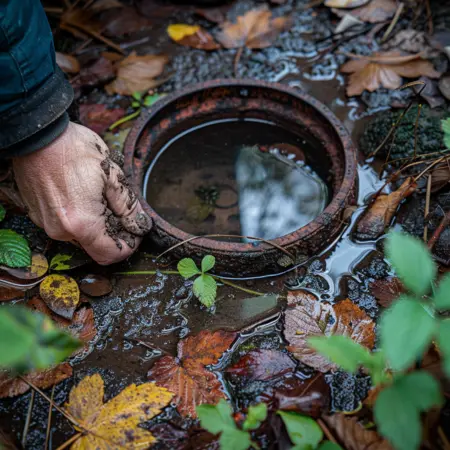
276	196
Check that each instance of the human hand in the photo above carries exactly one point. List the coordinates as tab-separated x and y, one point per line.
75	192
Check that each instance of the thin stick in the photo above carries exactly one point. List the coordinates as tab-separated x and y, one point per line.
125	119
429	17
70	441
326	431
49	419
28	420
150	347
437	233
437	161
237	58
229	283
427	208
419	109
394	22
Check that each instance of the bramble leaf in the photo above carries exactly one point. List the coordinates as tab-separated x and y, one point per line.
205	289
412	262
234	439
406	331
187	268
149	100
14	249
216	418
328	445
302	430
208	263
442	296
256	415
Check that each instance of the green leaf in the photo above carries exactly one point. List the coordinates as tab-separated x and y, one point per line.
2	213
216	418
302	430
442	296
14	249
187	268
328	445
208	263
30	340
137	96
341	350
58	262
135	104
234	440
446	129
64	261
149	100
444	343
376	366
256	415
398	407
412	262
205	289
406	331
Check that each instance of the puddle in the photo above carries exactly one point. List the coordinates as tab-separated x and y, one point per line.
238	176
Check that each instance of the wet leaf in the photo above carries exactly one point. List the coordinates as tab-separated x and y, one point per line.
379	214
137	74
444	86
306	316
95	285
208	263
98	117
214	15
198	210
440	176
115	424
37	269
255	29
187	268
263	365
192	36
255	416
386	291
103	5
187	377
353	435
411	41
63	261
43	379
97	73
303	431
345	3
2	212
61	294
124	22
386	70
14	249
205	289
9	293
374	12
67	63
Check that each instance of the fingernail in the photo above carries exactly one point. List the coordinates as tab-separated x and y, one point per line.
144	221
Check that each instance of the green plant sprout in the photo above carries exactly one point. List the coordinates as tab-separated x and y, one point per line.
407	329
205	286
445	124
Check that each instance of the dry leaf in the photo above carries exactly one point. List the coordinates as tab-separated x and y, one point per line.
126	21
307	316
187	377
386	291
95	285
263	365
374	12
384	69
192	36
444	86
43	379
137	74
348	21
379	214
214	15
255	29
61	294
345	3
440	176
98	117
103	5
353	435
115	424
411	41
38	268
9	293
67	63
99	72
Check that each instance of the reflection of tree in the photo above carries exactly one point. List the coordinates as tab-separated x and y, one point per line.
275	196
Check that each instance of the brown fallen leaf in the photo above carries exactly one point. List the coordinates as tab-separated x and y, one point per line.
255	29
345	3
43	379
10	293
263	365
67	63
306	316
353	435
215	15
384	69
115	424
386	291
192	36
411	41
375	11
137	74
38	268
187	377
444	86
379	214
97	73
61	294
95	285
128	20
98	117
440	176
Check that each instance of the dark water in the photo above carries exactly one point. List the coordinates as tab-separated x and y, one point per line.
242	177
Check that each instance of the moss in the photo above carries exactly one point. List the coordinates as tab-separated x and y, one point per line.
429	133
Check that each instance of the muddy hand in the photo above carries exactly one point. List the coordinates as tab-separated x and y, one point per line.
76	193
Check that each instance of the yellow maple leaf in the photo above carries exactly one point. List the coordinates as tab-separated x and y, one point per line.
114	425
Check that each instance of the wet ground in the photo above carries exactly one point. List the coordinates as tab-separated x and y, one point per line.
160	309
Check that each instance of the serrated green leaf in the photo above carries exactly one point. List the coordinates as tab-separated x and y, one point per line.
149	100
216	418
205	289
446	129
187	268
208	263
341	350
234	440
376	367
406	331
398	407
328	445
444	343
412	262
137	96
442	296
14	249
256	415
2	213
302	430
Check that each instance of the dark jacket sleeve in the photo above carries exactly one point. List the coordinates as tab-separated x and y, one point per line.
34	94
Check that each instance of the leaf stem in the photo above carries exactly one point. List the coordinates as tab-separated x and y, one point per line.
236	286
125	119
74	438
27	420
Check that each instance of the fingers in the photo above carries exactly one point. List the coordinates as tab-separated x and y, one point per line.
123	202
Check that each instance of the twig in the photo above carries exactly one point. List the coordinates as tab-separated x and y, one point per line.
27	420
125	119
49	419
419	109
424	171
429	17
427	208
237	58
70	441
443	438
326	431
313	4
437	233
394	22
151	347
236	286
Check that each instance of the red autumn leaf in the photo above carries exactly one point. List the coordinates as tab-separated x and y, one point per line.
67	63
379	214
386	291
98	117
10	387
263	365
307	316
187	377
